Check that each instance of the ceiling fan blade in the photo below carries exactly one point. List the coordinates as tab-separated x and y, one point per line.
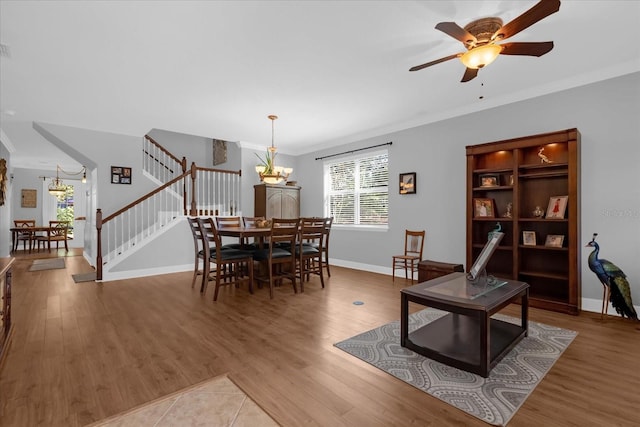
540	11
469	74
457	32
437	61
525	48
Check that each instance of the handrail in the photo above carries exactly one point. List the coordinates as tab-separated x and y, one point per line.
159	162
145	197
164	150
212	191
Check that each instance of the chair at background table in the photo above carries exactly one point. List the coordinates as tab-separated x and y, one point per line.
58	232
279	253
309	249
413	245
24	236
232	266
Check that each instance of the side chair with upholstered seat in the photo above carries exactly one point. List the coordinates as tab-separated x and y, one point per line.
309	249
279	253
232	266
198	251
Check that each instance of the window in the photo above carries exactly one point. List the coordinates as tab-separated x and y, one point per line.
357	189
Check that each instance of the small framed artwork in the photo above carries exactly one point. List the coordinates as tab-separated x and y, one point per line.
557	207
120	175
489	180
529	238
29	198
484	208
408	183
554	240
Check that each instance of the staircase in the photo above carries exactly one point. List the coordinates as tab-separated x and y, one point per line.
195	191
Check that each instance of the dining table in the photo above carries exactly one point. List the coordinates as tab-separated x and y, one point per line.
242	233
15	231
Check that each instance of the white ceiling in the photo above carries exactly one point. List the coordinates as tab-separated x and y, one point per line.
334	71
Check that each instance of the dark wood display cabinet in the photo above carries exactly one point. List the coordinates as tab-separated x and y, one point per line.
276	201
530	174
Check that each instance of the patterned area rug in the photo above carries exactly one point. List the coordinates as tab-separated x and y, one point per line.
494	399
47	264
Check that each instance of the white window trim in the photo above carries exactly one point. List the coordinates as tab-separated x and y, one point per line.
327	182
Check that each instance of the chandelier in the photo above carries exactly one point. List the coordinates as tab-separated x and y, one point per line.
57	187
268	171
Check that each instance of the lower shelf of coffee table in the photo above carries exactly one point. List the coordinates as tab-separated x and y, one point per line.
454	339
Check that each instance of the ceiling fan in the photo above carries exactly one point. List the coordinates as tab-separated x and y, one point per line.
480	37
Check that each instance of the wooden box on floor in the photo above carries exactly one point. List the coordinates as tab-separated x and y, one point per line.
428	270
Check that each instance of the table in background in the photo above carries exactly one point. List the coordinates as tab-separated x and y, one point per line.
466	337
17	230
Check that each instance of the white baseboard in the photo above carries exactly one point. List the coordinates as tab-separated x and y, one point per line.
588	304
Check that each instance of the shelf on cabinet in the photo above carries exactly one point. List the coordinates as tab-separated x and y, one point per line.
544	275
541	247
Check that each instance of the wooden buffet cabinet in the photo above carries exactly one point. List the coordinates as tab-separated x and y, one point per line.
514	171
6	265
276	201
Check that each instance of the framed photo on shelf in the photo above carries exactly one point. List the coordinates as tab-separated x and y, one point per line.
484	208
408	183
554	240
120	175
529	238
489	180
557	207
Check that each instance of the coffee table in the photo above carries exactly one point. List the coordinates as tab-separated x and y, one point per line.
467	337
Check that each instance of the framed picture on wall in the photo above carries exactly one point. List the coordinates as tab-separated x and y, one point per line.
408	183
120	175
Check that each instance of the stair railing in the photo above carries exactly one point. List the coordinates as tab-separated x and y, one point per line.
159	162
208	192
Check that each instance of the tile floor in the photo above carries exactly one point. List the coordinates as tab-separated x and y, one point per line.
217	402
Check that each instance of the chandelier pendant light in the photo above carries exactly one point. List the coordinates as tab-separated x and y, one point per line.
268	172
57	187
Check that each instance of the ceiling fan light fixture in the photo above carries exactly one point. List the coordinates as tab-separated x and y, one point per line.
481	56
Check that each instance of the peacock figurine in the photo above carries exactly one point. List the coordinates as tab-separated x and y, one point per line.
616	286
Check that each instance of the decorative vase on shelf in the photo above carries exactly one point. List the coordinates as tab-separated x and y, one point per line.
538	212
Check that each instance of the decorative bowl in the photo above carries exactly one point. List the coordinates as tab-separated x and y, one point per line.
263	223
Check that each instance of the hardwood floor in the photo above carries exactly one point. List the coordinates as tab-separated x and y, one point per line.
85	351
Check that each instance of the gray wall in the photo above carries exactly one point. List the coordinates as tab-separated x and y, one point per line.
196	149
605	113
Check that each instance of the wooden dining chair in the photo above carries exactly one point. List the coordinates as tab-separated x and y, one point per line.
58	232
230	221
309	249
413	245
279	253
232	266
199	255
325	244
250	221
26	236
